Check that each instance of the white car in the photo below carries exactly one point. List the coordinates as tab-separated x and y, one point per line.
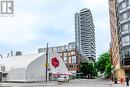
63	78
60	79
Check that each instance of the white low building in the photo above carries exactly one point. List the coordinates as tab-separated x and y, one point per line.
32	67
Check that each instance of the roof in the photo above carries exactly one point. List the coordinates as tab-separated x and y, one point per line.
19	61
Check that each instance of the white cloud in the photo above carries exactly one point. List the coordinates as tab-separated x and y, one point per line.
18	29
32	17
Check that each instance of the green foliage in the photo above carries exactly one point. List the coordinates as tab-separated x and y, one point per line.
108	70
88	69
104	65
94	72
84	68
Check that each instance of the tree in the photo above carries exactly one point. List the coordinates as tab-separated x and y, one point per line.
88	69
104	64
84	68
108	70
95	72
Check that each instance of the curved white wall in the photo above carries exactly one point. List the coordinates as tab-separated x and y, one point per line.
36	70
17	74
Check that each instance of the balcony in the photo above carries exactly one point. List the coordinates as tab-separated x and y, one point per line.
123	21
124	32
122	10
125	62
119	1
126	43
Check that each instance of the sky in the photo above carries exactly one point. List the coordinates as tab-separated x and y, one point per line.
36	22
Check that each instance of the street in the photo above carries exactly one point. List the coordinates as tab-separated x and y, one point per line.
72	83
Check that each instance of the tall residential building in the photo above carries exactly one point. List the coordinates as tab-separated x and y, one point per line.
85	33
119	11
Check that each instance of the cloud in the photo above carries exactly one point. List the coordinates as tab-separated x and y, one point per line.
18	29
37	22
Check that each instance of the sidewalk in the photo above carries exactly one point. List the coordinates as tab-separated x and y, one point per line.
119	85
9	84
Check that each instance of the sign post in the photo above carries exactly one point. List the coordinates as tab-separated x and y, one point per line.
46	62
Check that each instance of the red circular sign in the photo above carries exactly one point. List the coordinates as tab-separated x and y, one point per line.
55	62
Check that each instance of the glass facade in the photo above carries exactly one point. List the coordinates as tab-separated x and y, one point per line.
85	33
123	14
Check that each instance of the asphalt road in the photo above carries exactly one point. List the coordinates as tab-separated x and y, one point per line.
72	83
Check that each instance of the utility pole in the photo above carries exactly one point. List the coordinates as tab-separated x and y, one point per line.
46	62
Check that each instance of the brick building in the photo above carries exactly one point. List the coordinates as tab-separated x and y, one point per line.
70	56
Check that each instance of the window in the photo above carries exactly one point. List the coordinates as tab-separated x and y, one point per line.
54	49
68	53
124	28
40	50
71	46
59	48
123	5
69	59
65	59
73	59
123	16
128	13
73	53
125	41
65	54
119	0
62	48
128	2
125	53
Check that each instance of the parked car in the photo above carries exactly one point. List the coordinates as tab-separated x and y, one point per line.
63	78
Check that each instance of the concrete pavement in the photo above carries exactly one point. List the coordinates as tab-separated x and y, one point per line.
89	83
119	85
72	83
39	84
